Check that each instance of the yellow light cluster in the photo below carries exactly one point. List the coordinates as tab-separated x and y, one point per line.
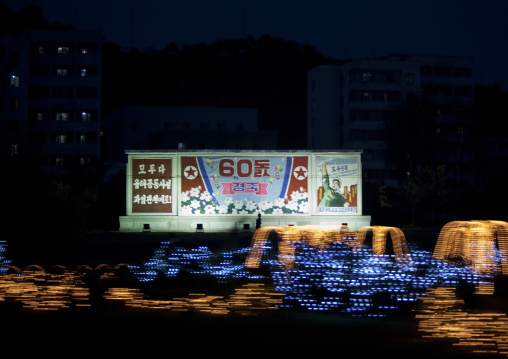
322	238
380	237
247	300
443	315
60	288
288	236
39	291
474	243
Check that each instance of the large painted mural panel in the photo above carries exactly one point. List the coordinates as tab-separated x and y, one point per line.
338	185
237	185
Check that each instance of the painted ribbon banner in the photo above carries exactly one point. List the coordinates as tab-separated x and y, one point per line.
152	185
244	185
337	191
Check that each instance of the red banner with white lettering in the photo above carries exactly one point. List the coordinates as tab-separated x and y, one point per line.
152	185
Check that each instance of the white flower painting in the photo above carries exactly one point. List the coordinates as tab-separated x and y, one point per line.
198	201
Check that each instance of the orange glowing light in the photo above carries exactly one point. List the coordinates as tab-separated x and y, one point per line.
380	237
474	243
442	314
249	299
319	238
40	290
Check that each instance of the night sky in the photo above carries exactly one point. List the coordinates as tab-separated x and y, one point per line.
336	28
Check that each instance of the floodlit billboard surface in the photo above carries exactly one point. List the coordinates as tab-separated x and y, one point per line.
244	185
152	185
338	180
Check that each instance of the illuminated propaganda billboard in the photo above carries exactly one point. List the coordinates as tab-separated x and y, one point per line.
152	186
338	181
238	185
191	184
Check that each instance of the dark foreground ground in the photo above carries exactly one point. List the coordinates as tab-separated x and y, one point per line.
120	331
136	247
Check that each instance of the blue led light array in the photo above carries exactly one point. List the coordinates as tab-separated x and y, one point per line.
334	279
361	284
4	263
170	261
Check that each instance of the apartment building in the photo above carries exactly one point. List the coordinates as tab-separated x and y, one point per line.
352	105
50	96
136	127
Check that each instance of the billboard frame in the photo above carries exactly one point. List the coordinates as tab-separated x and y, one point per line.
175	220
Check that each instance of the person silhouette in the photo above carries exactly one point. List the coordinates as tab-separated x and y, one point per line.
258	221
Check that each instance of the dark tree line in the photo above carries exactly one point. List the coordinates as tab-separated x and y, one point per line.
29	18
268	74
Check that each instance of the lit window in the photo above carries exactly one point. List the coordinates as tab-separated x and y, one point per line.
62	72
84	161
60	138
88	71
41	49
88	48
59	161
86	116
14	81
37	116
367	77
86	137
63	49
62	116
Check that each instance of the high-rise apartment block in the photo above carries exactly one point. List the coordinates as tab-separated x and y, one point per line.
50	96
352	105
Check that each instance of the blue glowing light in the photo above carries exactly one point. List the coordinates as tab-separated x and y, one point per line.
335	279
4	263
